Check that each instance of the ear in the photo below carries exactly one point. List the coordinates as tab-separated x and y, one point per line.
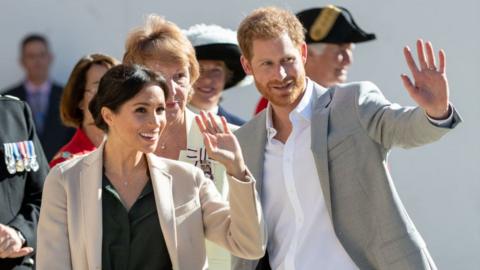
246	65
107	116
304	52
50	58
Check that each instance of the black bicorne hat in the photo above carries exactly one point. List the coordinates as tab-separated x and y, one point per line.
331	24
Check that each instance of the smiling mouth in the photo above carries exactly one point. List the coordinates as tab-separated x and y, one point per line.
150	136
341	71
205	90
283	86
172	103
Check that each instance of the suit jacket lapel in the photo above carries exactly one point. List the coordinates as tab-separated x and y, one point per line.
319	133
253	146
91	192
162	187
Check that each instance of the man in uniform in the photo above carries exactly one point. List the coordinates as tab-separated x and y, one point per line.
21	181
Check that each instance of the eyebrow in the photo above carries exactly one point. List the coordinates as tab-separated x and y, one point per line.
141	103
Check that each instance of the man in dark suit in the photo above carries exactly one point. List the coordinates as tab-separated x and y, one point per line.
21	181
41	93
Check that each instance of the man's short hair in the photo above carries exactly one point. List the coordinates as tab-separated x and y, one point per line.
268	23
32	38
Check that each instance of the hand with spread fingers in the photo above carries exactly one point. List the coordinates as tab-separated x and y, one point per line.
429	88
221	144
11	243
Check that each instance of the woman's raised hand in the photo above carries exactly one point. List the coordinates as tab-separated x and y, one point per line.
221	144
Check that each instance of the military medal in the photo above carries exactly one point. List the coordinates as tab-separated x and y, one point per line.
25	157
9	159
33	158
19	166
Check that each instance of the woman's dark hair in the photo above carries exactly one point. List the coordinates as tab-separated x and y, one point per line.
120	84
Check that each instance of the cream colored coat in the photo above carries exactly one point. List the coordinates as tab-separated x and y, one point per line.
189	208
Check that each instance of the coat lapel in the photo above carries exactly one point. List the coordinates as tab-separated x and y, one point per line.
91	192
162	187
319	133
253	137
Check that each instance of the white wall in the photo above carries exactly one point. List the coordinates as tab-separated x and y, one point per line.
439	183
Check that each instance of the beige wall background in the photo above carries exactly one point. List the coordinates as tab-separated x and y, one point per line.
438	183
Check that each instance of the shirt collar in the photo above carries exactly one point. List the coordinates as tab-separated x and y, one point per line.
304	107
43	88
302	111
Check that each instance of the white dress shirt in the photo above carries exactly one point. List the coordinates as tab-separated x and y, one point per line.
300	230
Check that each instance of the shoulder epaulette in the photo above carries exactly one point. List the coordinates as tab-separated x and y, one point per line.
9	97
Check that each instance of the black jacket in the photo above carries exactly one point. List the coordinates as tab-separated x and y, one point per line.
55	134
21	192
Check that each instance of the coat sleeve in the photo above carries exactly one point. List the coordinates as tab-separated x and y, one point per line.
27	219
238	227
53	247
390	124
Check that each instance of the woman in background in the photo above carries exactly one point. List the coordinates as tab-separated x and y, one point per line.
218	55
80	89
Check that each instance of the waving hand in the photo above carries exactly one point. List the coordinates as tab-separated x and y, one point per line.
222	145
429	88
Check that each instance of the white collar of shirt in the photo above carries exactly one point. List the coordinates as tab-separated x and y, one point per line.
303	111
213	110
32	88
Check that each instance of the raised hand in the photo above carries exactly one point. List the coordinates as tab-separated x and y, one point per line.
429	88
222	145
11	244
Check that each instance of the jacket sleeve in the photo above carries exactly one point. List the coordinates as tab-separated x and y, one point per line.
390	124
239	227
27	218
53	248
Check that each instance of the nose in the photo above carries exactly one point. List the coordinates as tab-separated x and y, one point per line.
347	57
172	89
157	119
280	73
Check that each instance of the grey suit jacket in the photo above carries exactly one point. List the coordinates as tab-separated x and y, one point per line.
353	129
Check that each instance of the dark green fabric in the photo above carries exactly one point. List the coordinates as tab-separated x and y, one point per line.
132	239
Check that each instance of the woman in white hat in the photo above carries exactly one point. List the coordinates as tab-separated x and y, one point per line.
218	55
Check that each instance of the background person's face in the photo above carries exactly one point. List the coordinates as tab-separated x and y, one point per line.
328	66
177	77
36	60
92	79
209	86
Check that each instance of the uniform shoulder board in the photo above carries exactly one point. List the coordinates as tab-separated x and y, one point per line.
9	97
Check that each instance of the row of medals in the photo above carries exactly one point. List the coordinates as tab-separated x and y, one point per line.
20	156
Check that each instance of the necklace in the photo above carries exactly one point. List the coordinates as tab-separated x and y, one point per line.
176	143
